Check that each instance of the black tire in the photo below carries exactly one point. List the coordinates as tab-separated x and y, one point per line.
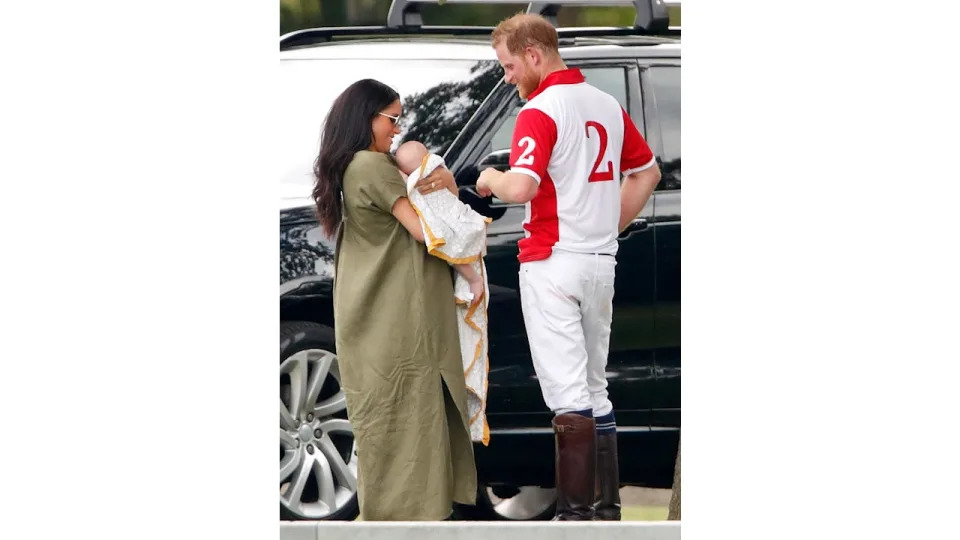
296	336
486	510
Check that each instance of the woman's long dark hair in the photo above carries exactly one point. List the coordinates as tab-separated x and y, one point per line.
346	130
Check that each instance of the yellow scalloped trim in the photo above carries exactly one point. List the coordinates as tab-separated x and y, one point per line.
452	260
432	245
432	241
423	164
476	356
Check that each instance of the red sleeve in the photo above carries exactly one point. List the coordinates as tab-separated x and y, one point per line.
635	153
534	137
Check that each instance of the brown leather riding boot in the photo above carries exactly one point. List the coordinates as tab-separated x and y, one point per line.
607	506
576	466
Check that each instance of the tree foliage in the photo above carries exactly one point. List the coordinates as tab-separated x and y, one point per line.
299	14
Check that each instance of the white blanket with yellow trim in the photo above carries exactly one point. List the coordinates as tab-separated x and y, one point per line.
457	234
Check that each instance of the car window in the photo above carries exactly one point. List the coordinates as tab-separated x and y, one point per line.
666	90
436	115
612	80
438	98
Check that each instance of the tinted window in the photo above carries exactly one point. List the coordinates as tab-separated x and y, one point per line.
666	89
438	98
436	115
612	80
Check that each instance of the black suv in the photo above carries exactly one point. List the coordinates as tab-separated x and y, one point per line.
455	102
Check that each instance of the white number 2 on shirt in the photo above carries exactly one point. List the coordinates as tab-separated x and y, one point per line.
528	144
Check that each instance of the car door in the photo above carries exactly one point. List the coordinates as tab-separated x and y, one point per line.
663	81
514	397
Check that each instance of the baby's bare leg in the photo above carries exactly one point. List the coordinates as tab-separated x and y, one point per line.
473	278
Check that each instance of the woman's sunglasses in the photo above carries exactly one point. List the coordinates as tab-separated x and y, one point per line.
396	119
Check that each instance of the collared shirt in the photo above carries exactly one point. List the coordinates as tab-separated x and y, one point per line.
574	140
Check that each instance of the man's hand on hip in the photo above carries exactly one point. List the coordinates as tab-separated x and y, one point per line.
635	191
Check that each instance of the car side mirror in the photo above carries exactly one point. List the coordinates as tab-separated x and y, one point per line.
499	160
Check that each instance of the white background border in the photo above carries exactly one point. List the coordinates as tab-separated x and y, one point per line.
138	291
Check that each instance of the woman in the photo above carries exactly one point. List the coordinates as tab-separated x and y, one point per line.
395	323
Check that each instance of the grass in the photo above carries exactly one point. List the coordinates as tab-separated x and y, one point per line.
640	513
644	513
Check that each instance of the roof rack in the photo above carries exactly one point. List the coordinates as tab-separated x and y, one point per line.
404	20
310	36
651	15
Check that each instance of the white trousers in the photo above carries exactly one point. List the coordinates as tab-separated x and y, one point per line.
567	304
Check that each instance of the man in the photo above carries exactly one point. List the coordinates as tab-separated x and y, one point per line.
569	143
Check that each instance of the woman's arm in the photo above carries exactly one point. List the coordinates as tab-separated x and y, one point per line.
405	214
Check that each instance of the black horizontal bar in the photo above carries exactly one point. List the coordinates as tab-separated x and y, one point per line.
312	36
319	35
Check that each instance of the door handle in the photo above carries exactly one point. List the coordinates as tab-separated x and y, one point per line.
638	224
496	202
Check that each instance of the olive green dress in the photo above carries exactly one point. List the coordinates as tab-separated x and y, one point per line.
397	343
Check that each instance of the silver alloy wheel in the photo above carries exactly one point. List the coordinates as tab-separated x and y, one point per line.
318	461
530	502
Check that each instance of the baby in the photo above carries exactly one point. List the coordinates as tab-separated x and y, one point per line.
458	235
415	162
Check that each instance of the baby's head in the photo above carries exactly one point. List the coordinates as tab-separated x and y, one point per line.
410	155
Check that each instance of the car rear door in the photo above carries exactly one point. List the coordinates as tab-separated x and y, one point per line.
514	399
661	80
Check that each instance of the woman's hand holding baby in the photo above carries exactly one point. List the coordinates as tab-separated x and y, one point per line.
440	178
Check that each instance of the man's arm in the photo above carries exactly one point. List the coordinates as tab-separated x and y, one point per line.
637	159
510	187
534	136
634	193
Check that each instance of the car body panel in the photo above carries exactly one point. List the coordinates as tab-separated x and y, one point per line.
644	362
